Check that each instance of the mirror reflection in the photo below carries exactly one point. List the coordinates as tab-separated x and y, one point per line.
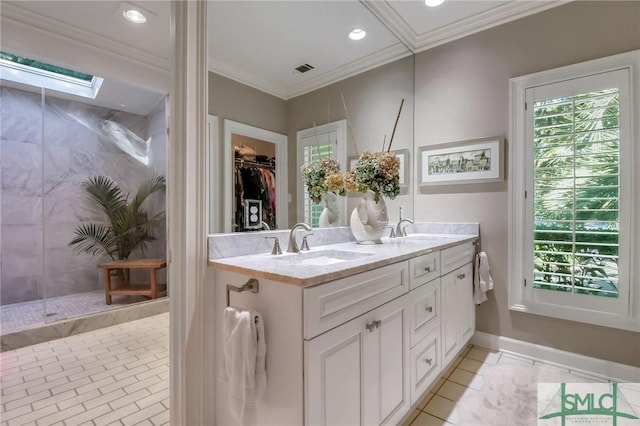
254	181
257	200
343	101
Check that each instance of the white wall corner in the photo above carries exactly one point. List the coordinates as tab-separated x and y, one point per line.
187	218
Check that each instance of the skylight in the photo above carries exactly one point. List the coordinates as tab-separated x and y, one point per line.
39	74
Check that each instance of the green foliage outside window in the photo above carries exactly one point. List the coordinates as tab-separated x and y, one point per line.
576	193
44	66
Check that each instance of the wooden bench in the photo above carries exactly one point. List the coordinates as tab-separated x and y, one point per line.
127	289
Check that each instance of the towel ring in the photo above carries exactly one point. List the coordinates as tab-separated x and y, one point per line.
252	286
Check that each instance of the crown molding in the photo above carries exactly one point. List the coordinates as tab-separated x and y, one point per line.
491	18
375	60
367	63
52	27
393	21
246	78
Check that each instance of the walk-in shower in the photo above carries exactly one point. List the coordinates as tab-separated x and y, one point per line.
51	145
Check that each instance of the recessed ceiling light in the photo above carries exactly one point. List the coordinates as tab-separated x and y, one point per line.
134	16
433	3
357	34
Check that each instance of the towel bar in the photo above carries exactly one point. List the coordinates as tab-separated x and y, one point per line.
252	285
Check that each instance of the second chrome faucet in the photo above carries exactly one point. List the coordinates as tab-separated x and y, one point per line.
293	245
400	231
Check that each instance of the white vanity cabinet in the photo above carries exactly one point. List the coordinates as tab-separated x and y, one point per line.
458	309
424	323
355	373
361	349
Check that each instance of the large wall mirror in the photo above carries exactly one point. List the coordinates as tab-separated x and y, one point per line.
289	68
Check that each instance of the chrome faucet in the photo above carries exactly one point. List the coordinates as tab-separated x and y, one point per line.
264	226
402	232
293	245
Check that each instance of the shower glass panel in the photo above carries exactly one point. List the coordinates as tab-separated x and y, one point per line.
22	290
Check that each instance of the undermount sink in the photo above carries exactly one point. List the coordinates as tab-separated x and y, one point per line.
321	257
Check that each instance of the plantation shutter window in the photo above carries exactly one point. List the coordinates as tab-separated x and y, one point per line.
576	193
573	188
574	141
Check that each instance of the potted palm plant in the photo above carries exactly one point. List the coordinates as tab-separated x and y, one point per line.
129	226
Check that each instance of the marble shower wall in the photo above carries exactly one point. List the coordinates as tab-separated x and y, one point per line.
48	148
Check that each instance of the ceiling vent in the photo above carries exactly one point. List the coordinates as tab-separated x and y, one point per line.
304	68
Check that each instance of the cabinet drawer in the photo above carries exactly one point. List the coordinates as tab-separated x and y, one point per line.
328	305
454	257
425	365
424	268
424	314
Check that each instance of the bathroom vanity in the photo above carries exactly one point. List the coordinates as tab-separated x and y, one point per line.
355	334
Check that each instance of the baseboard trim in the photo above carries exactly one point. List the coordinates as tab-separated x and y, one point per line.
572	361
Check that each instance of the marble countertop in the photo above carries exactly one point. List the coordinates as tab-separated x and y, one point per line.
323	263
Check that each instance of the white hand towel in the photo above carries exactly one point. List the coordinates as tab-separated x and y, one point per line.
244	362
482	280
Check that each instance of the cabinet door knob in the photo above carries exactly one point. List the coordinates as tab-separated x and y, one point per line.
373	325
429	309
428	361
461	276
427	268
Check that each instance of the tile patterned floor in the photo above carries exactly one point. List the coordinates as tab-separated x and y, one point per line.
25	315
120	376
465	376
117	375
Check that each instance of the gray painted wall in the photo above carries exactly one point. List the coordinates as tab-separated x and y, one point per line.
373	99
46	154
462	93
231	100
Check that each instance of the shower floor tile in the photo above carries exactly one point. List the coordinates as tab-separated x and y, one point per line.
94	395
26	315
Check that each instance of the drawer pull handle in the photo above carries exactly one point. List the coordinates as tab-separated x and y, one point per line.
461	276
429	309
427	268
372	325
428	361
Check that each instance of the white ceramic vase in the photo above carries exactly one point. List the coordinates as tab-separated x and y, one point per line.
369	220
330	215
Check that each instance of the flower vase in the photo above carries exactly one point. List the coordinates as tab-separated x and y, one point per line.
330	215
369	220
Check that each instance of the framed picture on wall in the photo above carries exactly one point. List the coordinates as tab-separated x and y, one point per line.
471	161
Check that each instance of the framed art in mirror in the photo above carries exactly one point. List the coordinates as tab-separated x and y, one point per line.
403	156
463	162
